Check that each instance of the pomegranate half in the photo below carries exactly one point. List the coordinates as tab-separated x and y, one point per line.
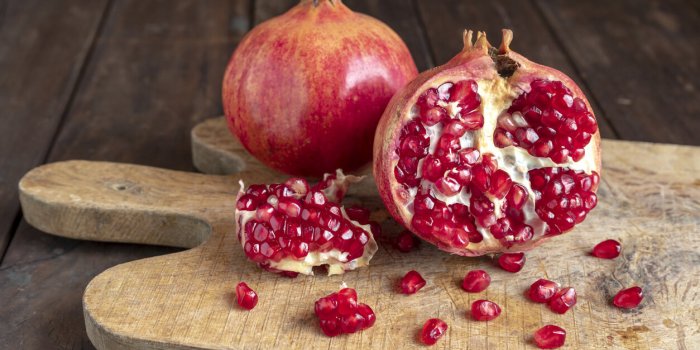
304	91
488	153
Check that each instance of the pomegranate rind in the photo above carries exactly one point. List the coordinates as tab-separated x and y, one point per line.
473	63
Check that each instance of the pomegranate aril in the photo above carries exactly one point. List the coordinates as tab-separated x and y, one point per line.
455	128
246	202
428	99
368	314
472	121
550	337
542	290
432	168
484	310
608	249
502	138
448	186
511	262
476	281
517	196
412	282
563	300
245	296
405	242
433	115
468	156
433	329
413	146
628	298
500	184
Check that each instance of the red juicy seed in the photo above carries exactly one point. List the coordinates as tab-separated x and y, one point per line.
501	228
448	186
405	242
414	127
468	156
290	206
462	174
563	300
413	146
264	212
352	323
484	310
325	308
432	168
481	178
517	196
542	290
315	198
609	249
259	191
489	163
428	99
482	208
465	92
246	297
246	202
368	314
472	121
347	301
550	337
500	184
433	329
446	145
628	298
358	214
476	281
455	128
522	233
502	138
330	327
512	262
433	115
412	282
298	185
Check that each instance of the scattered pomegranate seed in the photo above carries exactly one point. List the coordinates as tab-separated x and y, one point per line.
484	310
563	300
550	337
542	290
476	281
608	249
628	298
433	329
246	297
412	282
340	313
512	262
405	242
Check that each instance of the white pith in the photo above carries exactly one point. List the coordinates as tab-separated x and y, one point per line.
496	97
336	260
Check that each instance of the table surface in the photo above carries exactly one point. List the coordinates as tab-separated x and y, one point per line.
126	80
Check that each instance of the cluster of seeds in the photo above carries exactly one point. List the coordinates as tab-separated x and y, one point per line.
340	313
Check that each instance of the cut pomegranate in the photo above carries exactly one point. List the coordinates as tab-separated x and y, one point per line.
550	337
412	282
246	297
340	313
433	329
405	242
563	300
291	227
484	310
608	249
628	298
542	290
488	153
512	262
476	281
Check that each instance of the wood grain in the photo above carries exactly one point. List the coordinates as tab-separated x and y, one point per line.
649	195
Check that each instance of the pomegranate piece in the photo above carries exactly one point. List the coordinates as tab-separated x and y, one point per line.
628	298
484	310
608	249
542	290
340	313
476	281
433	329
291	227
563	300
246	297
412	282
405	242
550	337
512	262
476	170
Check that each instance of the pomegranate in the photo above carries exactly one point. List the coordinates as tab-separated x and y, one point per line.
542	290
485	310
488	153
341	313
246	297
304	91
608	249
628	298
476	281
433	329
292	227
550	337
412	282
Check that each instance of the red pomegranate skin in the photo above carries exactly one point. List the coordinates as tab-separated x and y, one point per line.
304	91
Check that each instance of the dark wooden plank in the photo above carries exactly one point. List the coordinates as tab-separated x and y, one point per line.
43	46
641	59
446	20
155	72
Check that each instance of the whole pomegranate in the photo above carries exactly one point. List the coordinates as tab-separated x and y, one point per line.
304	91
488	153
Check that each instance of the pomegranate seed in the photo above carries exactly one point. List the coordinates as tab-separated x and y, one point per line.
563	300
455	128
405	242
512	262
358	214
550	337
433	115
469	156
628	298
340	313
476	281
608	249
433	329
246	297
542	290
432	168
412	282
484	310
500	183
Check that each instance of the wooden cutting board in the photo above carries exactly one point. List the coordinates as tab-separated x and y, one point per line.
649	199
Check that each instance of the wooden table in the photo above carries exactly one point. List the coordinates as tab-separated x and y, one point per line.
125	81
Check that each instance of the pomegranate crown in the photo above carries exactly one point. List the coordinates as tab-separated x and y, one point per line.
483	44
